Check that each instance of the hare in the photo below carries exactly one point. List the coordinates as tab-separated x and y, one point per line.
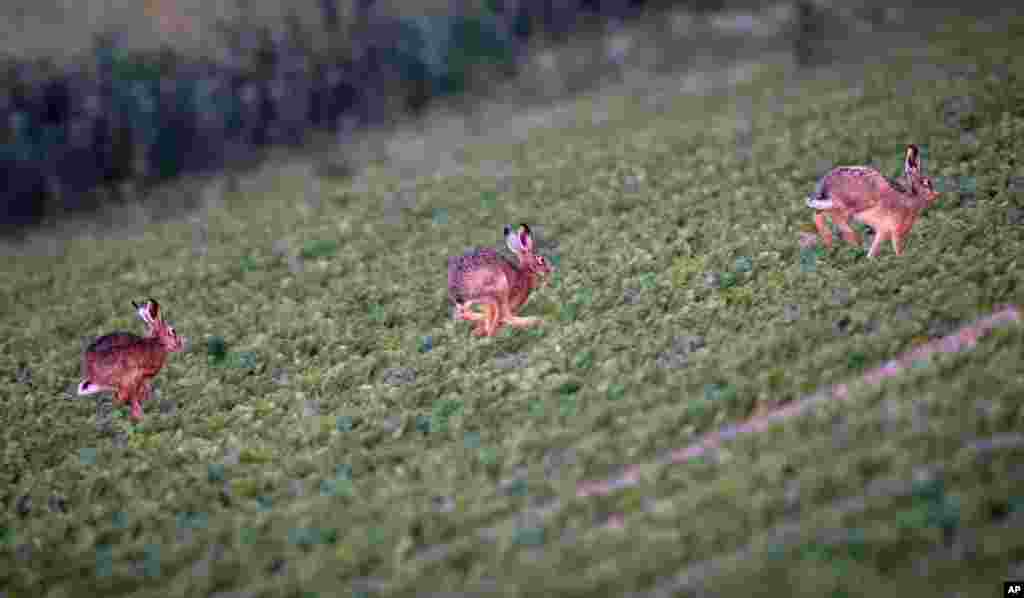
888	206
125	363
483	277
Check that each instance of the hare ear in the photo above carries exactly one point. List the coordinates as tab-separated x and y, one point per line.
512	240
148	311
912	164
525	237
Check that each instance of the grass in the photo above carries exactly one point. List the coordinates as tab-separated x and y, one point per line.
312	442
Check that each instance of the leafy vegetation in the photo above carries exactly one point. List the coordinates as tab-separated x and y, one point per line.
311	441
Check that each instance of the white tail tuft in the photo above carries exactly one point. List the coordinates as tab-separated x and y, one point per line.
86	387
819	204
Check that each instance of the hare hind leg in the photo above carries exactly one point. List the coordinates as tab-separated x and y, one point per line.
484	320
521	322
494	320
823	228
128	394
463	312
469	315
849	235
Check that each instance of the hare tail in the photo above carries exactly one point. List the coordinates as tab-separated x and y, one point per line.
819	200
818	203
86	387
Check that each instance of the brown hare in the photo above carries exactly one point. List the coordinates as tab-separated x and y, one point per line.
483	277
125	363
888	206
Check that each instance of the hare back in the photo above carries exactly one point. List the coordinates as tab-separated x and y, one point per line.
860	177
473	270
142	357
108	342
856	188
488	282
876	179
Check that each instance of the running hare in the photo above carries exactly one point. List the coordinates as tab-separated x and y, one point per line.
889	207
483	277
125	363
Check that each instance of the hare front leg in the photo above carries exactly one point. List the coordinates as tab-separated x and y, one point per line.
517	321
880	236
138	393
823	228
899	237
897	242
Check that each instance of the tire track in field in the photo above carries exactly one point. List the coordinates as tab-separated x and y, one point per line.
964	338
788	534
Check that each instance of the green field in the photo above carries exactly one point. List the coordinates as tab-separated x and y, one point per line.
311	442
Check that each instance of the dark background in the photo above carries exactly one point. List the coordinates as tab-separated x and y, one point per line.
104	103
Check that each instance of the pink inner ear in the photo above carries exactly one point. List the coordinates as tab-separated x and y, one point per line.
524	240
912	158
514	243
146	314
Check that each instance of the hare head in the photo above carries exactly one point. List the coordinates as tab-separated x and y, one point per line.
520	242
920	185
149	312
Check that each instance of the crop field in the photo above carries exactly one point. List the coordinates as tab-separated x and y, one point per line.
331	431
